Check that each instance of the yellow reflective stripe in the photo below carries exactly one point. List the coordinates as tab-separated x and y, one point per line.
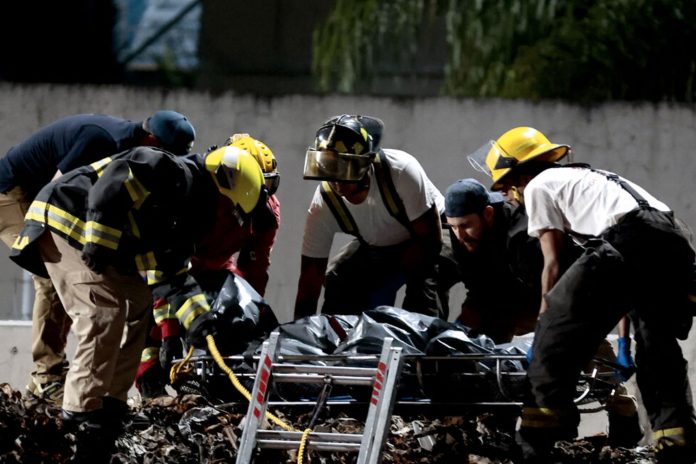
540	418
669	437
162	313
692	298
99	166
191	309
58	219
100	234
154	277
136	190
145	262
72	226
21	242
386	191
149	353
135	230
338	207
37	211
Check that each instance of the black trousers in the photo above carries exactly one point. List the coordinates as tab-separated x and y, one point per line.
641	267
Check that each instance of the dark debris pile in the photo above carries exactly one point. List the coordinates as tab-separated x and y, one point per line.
189	430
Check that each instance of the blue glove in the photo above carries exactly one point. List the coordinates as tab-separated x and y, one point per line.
624	359
530	354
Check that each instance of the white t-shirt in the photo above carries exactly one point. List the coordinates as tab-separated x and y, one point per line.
575	199
375	224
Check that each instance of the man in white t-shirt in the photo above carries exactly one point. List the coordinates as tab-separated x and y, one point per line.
637	261
382	197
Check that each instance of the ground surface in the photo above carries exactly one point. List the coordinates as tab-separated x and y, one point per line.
188	430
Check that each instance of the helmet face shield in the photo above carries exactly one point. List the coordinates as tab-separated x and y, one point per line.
333	166
478	158
492	160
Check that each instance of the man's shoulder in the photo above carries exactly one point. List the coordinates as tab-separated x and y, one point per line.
396	157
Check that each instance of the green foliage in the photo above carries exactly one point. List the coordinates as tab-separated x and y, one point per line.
348	44
590	50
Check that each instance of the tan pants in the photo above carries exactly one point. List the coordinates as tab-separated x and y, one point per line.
109	315
50	323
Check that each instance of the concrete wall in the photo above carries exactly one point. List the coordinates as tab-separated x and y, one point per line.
649	144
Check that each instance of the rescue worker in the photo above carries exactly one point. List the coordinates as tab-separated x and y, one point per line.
384	198
487	248
637	258
243	248
94	231
55	149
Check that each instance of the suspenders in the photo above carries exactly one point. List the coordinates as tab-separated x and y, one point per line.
642	202
387	191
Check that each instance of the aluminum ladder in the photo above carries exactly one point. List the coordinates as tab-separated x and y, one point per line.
368	445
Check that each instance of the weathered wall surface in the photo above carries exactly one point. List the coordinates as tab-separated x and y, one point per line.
649	144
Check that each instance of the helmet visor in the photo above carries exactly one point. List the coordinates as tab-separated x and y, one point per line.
478	158
332	166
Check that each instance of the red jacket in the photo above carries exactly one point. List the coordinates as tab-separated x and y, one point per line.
243	249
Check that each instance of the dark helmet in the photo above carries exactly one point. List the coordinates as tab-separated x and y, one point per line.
374	127
343	150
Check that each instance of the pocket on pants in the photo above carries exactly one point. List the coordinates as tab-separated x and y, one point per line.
11	220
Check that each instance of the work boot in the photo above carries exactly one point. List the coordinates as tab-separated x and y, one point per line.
670	452
624	431
536	445
152	383
50	392
95	436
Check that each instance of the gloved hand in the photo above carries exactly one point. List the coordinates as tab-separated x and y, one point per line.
171	348
530	354
624	359
97	257
202	326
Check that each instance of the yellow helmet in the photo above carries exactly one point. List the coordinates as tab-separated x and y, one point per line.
237	175
516	146
262	154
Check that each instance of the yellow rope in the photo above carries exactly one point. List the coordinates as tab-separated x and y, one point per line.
235	381
303	444
178	367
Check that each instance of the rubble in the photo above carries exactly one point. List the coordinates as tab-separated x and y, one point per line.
188	429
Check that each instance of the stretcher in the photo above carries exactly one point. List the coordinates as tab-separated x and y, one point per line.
461	381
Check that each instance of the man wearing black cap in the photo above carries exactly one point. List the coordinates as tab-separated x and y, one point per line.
485	246
55	149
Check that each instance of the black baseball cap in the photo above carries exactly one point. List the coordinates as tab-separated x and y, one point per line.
173	130
468	196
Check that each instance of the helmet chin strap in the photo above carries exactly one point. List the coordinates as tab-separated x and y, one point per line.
364	183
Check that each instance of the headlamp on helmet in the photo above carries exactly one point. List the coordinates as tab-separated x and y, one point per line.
343	151
237	175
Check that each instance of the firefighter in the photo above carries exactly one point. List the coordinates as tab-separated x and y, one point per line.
230	246
637	258
383	198
58	148
488	249
95	230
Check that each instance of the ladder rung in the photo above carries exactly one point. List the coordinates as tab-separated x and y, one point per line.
317	378
313	436
328	446
329	370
